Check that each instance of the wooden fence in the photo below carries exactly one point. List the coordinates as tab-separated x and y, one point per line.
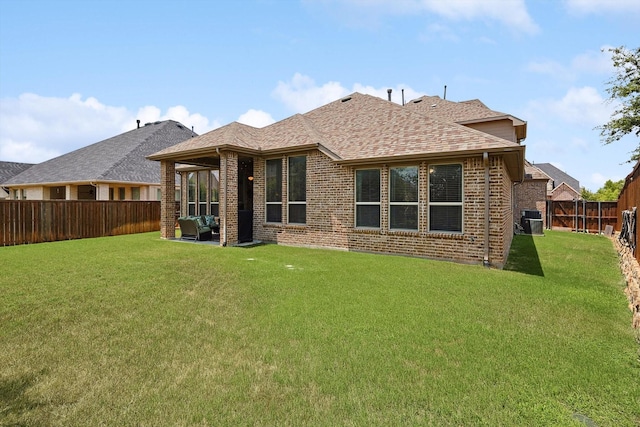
37	221
630	198
580	215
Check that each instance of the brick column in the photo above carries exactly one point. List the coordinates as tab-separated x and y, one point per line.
228	198
168	201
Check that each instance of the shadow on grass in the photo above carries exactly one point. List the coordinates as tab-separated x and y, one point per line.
13	399
523	256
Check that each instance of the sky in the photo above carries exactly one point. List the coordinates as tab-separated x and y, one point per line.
73	73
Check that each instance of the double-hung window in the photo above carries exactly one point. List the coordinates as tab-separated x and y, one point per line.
445	198
297	186
274	190
368	198
403	198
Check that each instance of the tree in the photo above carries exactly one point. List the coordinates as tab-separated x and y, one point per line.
607	193
625	88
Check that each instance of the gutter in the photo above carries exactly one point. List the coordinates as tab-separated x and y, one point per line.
485	160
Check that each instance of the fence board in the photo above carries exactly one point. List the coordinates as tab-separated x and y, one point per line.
630	198
591	217
37	221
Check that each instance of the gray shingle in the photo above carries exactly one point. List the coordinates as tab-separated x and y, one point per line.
10	169
558	176
121	158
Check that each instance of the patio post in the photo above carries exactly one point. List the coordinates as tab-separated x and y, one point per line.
168	200
228	198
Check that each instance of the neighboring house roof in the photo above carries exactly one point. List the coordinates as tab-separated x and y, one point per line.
121	158
534	173
10	169
355	129
558	176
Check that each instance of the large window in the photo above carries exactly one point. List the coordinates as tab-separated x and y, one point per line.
445	198
202	192
368	198
297	185
191	193
214	185
274	190
403	198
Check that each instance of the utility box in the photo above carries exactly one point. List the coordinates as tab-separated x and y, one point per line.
531	222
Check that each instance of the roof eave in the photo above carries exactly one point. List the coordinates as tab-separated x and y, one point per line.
515	161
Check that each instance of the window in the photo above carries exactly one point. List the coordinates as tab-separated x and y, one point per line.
215	186
403	198
121	194
298	190
368	198
191	193
159	194
135	193
445	198
274	190
111	195
202	192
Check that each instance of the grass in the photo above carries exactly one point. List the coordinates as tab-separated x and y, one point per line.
133	330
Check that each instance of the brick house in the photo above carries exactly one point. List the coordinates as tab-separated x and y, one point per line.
561	186
531	194
113	169
359	173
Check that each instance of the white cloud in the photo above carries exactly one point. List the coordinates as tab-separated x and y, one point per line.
590	62
35	128
302	94
579	106
256	118
511	13
582	106
602	6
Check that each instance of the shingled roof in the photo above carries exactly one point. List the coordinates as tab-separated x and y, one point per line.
10	169
558	176
464	112
532	172
355	129
121	158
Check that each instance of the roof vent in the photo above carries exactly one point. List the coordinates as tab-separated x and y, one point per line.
147	124
415	101
434	105
348	98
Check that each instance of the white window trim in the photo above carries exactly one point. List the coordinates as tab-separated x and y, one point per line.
430	203
355	198
416	203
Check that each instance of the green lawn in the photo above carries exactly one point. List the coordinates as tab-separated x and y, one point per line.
133	330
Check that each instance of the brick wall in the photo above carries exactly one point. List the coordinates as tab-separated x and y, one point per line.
330	214
530	195
168	201
229	197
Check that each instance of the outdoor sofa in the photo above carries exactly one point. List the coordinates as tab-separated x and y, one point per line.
198	227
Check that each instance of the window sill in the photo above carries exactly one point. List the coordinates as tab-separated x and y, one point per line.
451	235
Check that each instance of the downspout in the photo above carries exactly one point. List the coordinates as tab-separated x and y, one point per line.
226	176
485	161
